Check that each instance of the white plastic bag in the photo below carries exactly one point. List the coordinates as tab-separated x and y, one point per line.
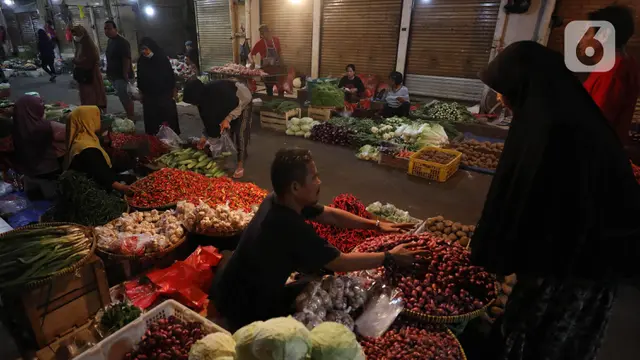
222	146
169	137
380	312
133	91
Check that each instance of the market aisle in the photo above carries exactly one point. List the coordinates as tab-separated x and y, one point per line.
460	199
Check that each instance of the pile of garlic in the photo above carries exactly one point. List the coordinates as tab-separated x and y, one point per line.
219	219
141	232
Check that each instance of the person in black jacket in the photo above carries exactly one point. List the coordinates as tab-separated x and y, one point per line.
223	105
47	56
157	86
351	84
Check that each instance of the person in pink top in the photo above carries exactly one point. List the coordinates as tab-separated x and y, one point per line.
616	91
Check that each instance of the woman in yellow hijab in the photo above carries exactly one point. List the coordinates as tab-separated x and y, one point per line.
84	153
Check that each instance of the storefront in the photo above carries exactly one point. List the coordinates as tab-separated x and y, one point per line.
449	42
213	22
292	23
360	32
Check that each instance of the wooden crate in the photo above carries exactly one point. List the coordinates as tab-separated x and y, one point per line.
275	121
39	316
320	113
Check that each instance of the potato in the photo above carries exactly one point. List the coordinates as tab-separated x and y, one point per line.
440	226
472	228
464	241
448	223
439	218
433	228
456	226
438	233
447	230
461	233
452	237
465	228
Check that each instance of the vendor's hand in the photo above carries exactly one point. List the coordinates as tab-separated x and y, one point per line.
253	66
400	100
404	257
225	124
394	228
202	143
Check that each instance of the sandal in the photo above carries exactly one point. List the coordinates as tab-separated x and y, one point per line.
239	173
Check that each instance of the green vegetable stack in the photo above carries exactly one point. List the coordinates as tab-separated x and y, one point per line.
327	94
118	315
193	160
453	112
280	106
83	201
33	254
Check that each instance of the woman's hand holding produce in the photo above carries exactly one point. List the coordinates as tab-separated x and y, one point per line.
394	228
225	124
404	257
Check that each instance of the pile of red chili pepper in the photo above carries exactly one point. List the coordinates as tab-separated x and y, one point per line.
346	239
167	186
156	147
636	171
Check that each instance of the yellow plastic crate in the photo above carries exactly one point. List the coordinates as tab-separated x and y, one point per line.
432	170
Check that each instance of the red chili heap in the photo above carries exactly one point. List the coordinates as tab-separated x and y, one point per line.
156	147
345	239
168	186
446	284
407	342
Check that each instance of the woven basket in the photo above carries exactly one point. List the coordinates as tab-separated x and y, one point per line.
36	283
218	234
454	319
154	255
464	356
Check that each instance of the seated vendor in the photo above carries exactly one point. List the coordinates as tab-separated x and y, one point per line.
351	84
279	241
397	98
223	105
84	153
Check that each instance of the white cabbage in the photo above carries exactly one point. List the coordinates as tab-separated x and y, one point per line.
216	346
333	341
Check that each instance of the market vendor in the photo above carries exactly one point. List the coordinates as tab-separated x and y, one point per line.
84	153
192	57
278	241
397	98
351	84
223	105
271	54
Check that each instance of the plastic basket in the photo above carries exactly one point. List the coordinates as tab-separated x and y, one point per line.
432	170
116	345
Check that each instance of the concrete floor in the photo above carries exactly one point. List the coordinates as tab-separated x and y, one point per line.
460	199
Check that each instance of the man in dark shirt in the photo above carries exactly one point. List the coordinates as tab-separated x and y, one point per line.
278	241
191	56
119	69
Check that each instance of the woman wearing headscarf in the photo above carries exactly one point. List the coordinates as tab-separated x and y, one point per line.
38	142
84	153
223	104
561	212
157	84
86	69
47	56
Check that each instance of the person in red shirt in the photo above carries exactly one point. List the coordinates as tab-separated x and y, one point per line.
270	52
615	91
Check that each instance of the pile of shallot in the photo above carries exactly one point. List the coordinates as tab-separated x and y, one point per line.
409	342
219	219
444	283
167	339
140	232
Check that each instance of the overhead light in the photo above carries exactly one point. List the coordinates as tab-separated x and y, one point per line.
295	1
9	2
149	10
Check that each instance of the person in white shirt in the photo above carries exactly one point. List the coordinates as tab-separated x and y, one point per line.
397	98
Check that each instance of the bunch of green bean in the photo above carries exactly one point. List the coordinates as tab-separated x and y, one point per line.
32	254
82	201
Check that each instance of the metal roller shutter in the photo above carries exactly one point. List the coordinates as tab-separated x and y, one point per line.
292	23
449	42
29	23
85	22
360	32
214	32
570	10
100	16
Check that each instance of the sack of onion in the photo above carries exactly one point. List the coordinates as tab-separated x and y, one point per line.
140	233
219	219
445	284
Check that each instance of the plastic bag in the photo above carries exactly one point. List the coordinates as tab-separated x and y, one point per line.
380	312
133	91
169	137
13	204
222	146
141	294
5	188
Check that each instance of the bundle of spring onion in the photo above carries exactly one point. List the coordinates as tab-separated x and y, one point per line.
32	254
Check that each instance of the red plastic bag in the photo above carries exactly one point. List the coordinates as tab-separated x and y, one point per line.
370	84
203	259
141	294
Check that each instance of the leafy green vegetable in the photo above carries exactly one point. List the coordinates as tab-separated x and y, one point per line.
118	315
327	94
280	106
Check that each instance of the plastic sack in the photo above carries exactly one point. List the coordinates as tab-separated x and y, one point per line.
5	188
169	137
380	312
133	91
222	146
141	294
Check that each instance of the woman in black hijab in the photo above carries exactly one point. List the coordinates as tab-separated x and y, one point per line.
561	212
47	56
157	85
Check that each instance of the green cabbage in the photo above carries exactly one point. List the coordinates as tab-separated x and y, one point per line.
333	341
300	133
295	121
290	132
216	346
294	128
281	339
244	340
